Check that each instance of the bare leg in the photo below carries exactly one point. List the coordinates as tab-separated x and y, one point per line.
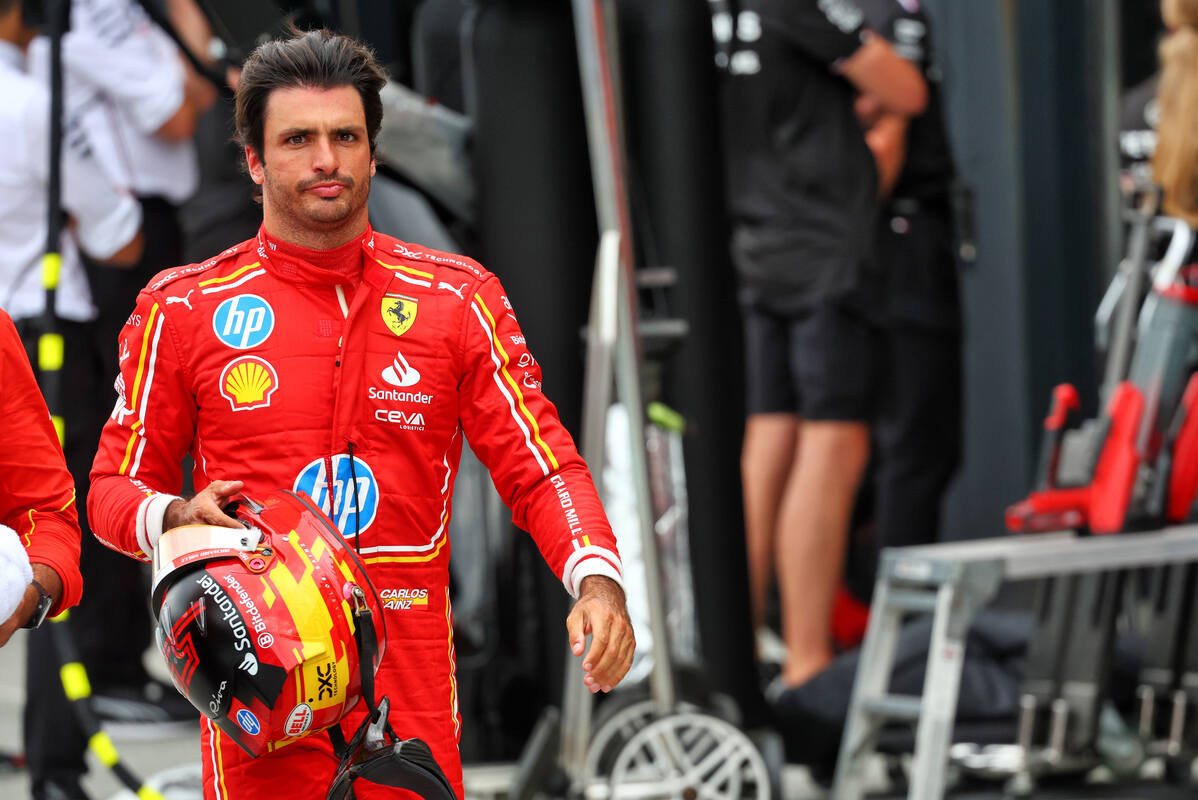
765	464
812	534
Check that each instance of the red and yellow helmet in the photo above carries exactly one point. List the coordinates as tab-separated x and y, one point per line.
257	625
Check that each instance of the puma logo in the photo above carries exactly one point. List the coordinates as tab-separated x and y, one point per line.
449	288
185	300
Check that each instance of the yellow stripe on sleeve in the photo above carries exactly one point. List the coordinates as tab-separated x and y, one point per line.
133	400
231	276
146	337
33	522
409	270
536	429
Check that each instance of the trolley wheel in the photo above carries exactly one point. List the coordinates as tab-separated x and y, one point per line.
614	730
689	756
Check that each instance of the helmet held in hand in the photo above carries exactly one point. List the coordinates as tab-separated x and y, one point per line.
257	624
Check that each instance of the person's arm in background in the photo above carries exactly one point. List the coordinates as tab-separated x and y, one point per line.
196	32
37	493
192	27
836	32
886	135
105	219
877	70
145	75
906	31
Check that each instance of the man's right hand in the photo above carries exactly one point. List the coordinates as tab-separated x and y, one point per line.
204	508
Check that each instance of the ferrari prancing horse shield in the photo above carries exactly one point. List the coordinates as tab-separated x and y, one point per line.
399	313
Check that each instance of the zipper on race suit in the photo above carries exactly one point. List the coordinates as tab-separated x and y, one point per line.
329	485
349	445
344	315
353	481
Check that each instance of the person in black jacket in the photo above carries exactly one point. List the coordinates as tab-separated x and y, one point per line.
802	195
917	437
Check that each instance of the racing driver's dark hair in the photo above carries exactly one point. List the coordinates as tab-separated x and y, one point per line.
314	60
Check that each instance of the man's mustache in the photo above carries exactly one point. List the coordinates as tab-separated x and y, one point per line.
336	177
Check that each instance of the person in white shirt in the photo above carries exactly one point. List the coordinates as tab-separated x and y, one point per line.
106	219
105	226
129	86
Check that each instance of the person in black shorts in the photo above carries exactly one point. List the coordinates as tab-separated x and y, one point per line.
917	435
802	195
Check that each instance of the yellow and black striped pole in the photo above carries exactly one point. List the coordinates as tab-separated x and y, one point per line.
50	356
78	690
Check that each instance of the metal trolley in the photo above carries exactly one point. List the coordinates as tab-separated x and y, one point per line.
661	747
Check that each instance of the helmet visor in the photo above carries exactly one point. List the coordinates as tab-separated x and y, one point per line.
189	545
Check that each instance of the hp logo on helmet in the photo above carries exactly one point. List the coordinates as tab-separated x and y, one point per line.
248	722
350	514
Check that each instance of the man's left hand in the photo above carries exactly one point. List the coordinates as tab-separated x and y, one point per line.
601	612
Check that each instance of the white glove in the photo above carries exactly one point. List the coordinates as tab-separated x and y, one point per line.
15	572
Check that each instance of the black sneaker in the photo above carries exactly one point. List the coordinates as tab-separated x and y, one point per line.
148	711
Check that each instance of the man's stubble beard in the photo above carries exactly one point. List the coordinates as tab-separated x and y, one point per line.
311	212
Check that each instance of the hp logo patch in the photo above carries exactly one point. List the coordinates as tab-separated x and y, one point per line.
248	722
243	321
351	516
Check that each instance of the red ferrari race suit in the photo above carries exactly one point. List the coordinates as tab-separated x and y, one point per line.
351	375
37	494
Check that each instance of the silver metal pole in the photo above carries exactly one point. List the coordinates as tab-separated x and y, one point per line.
602	331
1104	62
599	63
596	32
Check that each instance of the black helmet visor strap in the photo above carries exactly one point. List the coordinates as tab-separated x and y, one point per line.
374	752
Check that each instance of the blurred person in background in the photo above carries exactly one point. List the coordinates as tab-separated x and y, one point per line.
1175	161
105	221
1137	134
37	499
803	197
132	88
222	208
917	435
128	90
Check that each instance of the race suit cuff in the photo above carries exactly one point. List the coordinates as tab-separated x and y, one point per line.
592	566
149	520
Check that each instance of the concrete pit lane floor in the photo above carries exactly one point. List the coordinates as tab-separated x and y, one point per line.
172	762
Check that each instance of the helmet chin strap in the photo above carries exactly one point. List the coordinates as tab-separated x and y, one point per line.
374	752
368	645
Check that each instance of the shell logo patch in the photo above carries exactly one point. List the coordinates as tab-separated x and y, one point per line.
399	313
248	382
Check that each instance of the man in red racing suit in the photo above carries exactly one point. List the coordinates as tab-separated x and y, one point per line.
351	372
37	495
